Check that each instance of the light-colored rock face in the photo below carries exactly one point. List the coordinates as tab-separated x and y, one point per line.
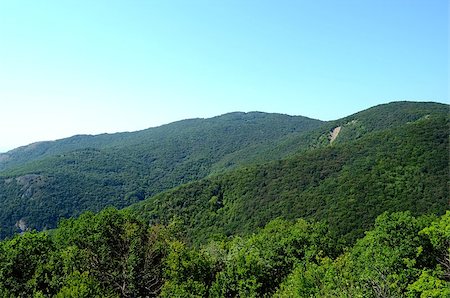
21	224
26	180
29	184
334	133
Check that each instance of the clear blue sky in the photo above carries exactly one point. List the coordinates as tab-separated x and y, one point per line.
70	67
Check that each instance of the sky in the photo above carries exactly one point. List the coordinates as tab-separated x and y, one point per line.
89	67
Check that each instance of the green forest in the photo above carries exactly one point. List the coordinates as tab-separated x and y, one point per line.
44	182
239	205
347	185
116	254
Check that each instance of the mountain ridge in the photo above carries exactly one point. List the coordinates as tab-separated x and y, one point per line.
105	140
135	165
129	170
347	184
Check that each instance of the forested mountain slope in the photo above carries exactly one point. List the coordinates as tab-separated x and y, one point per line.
121	169
352	127
229	132
223	235
115	254
347	184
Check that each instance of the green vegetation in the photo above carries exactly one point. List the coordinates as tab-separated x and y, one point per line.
224	134
348	185
106	255
264	205
395	259
44	182
119	170
113	254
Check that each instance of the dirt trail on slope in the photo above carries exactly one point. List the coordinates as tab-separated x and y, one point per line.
334	134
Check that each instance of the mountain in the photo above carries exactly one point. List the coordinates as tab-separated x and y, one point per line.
251	128
255	166
349	208
389	158
352	127
43	182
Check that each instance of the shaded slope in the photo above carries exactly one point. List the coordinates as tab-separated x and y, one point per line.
353	127
347	184
122	169
246	127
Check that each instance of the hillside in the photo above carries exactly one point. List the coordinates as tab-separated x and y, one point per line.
356	207
53	180
347	184
46	181
115	254
378	118
249	128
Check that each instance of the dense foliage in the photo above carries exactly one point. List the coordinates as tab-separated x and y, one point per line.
51	180
113	254
225	134
348	185
398	258
363	215
106	255
125	168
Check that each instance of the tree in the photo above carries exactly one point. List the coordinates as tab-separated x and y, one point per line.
118	250
21	264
